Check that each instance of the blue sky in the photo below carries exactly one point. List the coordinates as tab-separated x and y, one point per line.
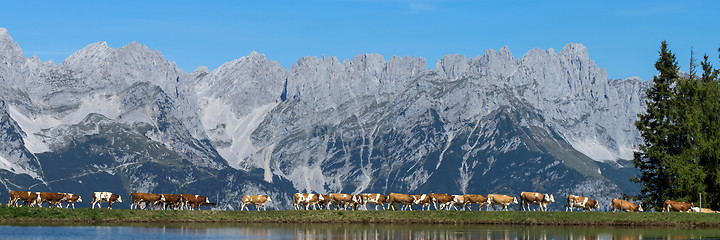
622	36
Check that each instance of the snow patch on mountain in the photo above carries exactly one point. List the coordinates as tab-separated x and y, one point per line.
34	126
595	150
232	133
7	165
34	142
108	106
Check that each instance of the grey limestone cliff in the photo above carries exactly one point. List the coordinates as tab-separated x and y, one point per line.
132	118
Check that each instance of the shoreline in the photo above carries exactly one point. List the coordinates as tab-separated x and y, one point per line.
24	215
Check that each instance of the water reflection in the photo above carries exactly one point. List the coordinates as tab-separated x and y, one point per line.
354	231
462	232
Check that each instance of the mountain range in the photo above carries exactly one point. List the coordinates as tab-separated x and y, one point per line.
128	120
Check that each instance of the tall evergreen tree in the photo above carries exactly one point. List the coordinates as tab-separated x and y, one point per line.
680	154
659	146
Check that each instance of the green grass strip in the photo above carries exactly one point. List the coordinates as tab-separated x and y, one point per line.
43	215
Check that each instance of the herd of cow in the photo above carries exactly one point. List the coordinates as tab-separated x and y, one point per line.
174	201
441	201
343	201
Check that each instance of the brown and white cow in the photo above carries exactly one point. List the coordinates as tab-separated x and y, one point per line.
673	206
373	198
258	200
478	199
702	210
150	199
307	199
540	199
173	200
52	198
401	198
441	199
108	197
458	200
71	199
423	200
623	205
344	200
191	201
581	202
30	198
499	199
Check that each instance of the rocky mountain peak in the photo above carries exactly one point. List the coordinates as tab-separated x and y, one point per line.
92	54
244	83
453	66
575	50
371	62
199	73
11	56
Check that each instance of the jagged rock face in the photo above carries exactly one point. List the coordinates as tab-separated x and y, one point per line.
11	58
414	134
14	157
489	124
234	99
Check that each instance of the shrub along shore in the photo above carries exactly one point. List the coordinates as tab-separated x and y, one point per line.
13	215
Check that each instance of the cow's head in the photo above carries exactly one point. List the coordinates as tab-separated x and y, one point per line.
119	198
515	200
597	205
640	208
549	198
162	198
270	200
79	199
207	200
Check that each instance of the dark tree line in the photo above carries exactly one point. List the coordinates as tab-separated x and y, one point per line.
680	154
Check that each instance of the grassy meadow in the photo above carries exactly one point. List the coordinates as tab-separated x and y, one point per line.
55	215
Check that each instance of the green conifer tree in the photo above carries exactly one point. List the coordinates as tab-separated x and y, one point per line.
659	144
680	154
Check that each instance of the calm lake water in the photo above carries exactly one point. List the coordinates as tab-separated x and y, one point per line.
343	231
